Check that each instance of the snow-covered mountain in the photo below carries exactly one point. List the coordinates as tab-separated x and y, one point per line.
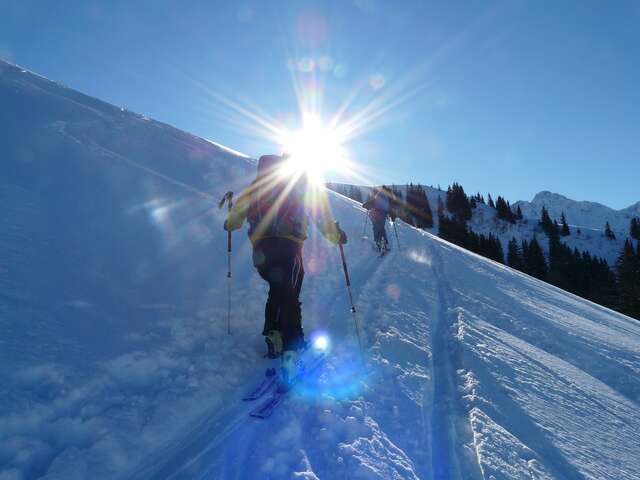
115	361
586	220
583	222
584	215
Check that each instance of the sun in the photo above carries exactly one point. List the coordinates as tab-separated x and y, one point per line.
314	149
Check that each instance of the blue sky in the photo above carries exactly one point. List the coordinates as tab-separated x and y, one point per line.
505	97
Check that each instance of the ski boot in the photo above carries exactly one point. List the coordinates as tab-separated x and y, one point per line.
290	369
273	340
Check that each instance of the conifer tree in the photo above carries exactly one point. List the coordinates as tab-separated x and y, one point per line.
418	207
634	229
628	267
458	202
424	213
519	213
399	203
546	223
514	255
564	231
534	261
490	202
440	206
504	210
608	232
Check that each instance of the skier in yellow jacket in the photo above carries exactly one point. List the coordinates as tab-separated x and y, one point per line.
277	207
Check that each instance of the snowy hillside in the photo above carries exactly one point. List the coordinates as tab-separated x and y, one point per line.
115	362
585	215
586	220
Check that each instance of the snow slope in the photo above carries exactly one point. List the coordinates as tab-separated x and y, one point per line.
115	362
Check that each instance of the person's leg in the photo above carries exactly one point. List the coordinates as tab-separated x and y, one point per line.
376	234
379	233
291	313
372	216
264	257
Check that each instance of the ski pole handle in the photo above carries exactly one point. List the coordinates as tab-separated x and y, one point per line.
227	198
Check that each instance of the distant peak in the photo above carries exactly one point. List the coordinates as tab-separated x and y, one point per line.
634	209
546	194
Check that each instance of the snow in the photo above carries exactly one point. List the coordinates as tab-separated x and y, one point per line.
115	361
589	215
586	221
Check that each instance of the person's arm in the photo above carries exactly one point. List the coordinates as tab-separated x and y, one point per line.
238	212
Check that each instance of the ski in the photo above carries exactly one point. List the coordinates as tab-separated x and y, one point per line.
270	379
266	408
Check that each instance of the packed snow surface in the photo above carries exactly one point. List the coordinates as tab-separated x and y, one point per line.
115	360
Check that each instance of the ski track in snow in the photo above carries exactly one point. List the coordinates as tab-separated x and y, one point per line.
115	362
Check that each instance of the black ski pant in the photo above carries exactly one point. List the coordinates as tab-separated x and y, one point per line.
279	262
379	231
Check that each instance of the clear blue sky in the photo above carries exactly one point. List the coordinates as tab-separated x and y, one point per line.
507	97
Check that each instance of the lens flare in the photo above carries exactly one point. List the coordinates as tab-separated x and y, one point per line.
315	149
321	343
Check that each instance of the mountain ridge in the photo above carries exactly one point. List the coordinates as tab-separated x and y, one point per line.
582	214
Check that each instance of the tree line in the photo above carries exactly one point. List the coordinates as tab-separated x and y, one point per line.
575	271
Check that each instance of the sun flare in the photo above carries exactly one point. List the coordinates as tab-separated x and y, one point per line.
314	149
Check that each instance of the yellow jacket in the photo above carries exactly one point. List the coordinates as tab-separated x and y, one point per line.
308	202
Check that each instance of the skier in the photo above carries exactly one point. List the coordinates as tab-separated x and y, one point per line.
379	206
277	207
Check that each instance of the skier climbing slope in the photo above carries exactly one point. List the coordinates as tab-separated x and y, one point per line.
380	205
277	206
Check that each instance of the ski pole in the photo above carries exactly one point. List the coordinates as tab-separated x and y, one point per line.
353	307
396	230
228	199
366	220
